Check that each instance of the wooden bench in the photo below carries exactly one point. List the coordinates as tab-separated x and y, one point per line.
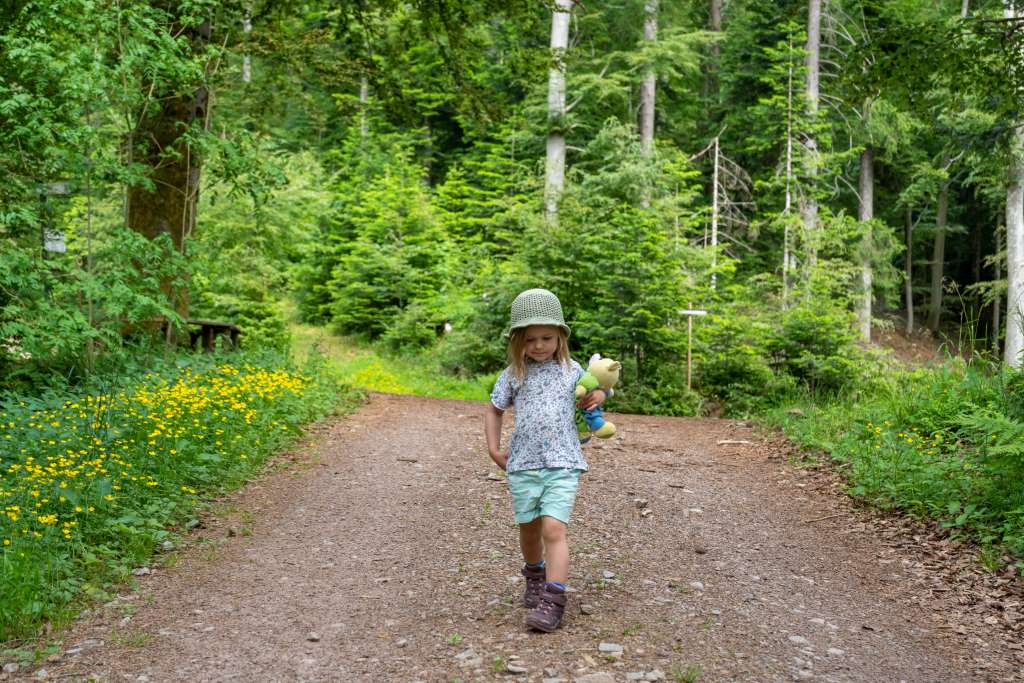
208	331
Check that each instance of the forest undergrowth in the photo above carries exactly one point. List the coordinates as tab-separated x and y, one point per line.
97	480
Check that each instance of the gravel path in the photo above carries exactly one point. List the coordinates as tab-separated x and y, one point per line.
383	549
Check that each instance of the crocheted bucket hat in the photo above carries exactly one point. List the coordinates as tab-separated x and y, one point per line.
536	307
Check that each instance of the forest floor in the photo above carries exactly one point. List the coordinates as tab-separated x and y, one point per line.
383	549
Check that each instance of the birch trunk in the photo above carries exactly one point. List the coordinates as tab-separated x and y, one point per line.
908	282
809	204
866	211
938	260
246	59
554	179
997	301
1014	338
647	86
714	220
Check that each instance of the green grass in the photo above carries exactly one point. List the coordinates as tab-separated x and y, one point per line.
944	442
362	366
93	482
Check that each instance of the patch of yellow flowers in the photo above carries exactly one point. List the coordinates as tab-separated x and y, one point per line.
60	466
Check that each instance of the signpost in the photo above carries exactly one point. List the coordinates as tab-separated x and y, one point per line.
53	239
690	313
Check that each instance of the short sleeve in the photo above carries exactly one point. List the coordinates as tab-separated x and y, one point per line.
577	371
503	392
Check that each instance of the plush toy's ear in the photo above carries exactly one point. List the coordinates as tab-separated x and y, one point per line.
596	357
615	366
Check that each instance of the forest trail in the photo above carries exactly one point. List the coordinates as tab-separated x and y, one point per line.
383	549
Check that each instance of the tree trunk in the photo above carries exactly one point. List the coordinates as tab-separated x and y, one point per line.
714	25
908	282
364	101
554	182
1014	344
714	220
866	211
170	206
789	182
647	92
1014	338
809	203
647	86
997	301
246	59
938	260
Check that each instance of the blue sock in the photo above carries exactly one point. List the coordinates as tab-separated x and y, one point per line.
556	584
537	565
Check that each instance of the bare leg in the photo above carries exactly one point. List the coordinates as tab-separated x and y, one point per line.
530	536
556	549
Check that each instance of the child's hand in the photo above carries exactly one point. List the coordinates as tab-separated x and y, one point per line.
592	400
500	459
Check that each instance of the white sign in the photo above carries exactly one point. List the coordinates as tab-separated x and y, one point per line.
53	240
692	311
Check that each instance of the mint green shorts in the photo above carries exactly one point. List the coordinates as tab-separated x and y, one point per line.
543	493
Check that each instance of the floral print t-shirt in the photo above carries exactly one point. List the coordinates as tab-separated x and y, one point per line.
545	434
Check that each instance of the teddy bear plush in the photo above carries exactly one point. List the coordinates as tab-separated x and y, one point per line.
602	373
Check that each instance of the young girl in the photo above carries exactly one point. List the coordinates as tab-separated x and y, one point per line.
544	460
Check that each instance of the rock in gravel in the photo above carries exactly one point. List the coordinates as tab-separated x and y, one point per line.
609	647
608	574
836	652
141	571
599	677
515	668
550	671
470	659
42	675
587	609
10	667
799	640
647	583
552	679
655	675
401	642
697	585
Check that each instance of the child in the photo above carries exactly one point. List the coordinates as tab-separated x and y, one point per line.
544	460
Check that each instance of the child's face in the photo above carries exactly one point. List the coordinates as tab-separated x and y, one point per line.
541	342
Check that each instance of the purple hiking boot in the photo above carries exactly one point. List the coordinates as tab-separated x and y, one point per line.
547	616
535	579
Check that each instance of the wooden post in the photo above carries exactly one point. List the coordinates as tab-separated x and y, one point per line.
689	313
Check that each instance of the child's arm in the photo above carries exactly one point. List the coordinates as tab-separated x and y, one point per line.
492	428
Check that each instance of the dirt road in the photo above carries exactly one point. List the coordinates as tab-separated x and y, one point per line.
383	549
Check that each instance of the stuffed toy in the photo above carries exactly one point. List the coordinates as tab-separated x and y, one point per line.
602	373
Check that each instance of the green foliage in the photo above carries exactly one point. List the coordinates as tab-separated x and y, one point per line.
51	315
941	442
250	240
91	480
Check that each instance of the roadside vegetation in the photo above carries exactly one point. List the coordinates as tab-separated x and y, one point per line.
95	481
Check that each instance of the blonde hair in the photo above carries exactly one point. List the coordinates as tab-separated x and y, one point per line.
517	350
